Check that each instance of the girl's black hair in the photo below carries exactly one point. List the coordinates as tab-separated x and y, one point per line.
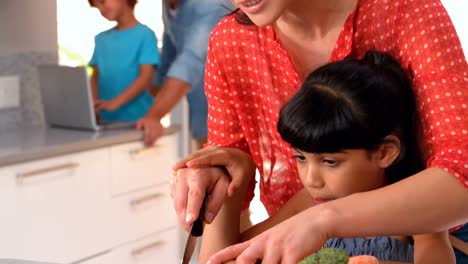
355	104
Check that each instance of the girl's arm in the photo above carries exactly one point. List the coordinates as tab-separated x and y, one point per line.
433	248
224	230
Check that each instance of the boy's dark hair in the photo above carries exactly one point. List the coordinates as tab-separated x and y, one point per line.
355	104
130	3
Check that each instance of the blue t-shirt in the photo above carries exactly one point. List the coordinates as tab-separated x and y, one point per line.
118	55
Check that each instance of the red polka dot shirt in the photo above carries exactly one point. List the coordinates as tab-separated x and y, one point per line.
249	76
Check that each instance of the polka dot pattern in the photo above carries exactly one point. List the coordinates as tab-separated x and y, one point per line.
249	76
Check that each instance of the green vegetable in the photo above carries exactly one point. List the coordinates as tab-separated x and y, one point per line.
327	256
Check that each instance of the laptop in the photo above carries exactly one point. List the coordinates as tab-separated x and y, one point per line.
67	99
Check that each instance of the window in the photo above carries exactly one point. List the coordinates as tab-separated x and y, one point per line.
78	23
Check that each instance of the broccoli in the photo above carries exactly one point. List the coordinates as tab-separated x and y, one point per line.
327	256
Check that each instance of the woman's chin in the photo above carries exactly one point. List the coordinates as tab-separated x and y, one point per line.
261	20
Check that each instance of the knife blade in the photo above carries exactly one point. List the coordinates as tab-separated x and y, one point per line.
195	232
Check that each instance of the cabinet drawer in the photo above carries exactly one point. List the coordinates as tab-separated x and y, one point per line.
135	167
52	210
158	248
146	212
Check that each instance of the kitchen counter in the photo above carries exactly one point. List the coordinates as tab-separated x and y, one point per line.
17	261
27	144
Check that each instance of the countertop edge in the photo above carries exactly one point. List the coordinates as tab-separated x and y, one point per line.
78	146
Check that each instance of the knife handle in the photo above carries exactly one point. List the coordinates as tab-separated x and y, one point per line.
197	226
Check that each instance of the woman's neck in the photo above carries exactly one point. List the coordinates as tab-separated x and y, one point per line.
316	18
309	29
126	20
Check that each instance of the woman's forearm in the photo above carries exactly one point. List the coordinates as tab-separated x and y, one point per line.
428	202
298	203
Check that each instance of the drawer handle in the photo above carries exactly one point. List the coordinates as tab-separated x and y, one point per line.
38	172
145	199
138	151
140	251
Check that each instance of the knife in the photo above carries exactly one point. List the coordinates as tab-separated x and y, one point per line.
195	232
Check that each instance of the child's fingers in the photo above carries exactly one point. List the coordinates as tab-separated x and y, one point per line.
97	105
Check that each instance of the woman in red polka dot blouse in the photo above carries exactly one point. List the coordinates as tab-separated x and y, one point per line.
252	70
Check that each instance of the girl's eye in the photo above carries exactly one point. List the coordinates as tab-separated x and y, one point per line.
299	157
330	162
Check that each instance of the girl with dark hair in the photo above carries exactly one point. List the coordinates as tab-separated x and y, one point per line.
353	128
252	70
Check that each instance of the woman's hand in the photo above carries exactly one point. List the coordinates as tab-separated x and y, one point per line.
217	171
189	187
239	165
287	243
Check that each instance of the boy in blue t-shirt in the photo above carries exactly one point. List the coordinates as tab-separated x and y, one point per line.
123	62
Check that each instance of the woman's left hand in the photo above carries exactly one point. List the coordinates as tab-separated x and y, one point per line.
286	243
239	165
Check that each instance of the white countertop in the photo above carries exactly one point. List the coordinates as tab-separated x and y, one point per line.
27	144
18	261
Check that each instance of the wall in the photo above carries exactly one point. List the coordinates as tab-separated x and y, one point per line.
28	31
457	11
28	25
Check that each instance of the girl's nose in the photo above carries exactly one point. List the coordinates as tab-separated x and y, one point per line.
314	178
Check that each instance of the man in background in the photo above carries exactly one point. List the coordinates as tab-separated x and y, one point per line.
187	28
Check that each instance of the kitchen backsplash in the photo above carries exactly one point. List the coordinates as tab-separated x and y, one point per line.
25	66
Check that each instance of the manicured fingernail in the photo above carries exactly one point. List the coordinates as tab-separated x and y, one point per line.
189	218
209	217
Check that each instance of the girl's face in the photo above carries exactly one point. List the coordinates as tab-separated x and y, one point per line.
328	176
111	9
263	12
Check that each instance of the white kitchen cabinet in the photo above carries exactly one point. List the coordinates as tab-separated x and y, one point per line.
146	211
135	167
156	248
108	205
52	209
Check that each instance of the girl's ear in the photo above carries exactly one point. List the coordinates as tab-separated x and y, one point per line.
388	152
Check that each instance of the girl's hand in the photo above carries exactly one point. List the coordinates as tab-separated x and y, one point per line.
287	243
239	165
189	187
